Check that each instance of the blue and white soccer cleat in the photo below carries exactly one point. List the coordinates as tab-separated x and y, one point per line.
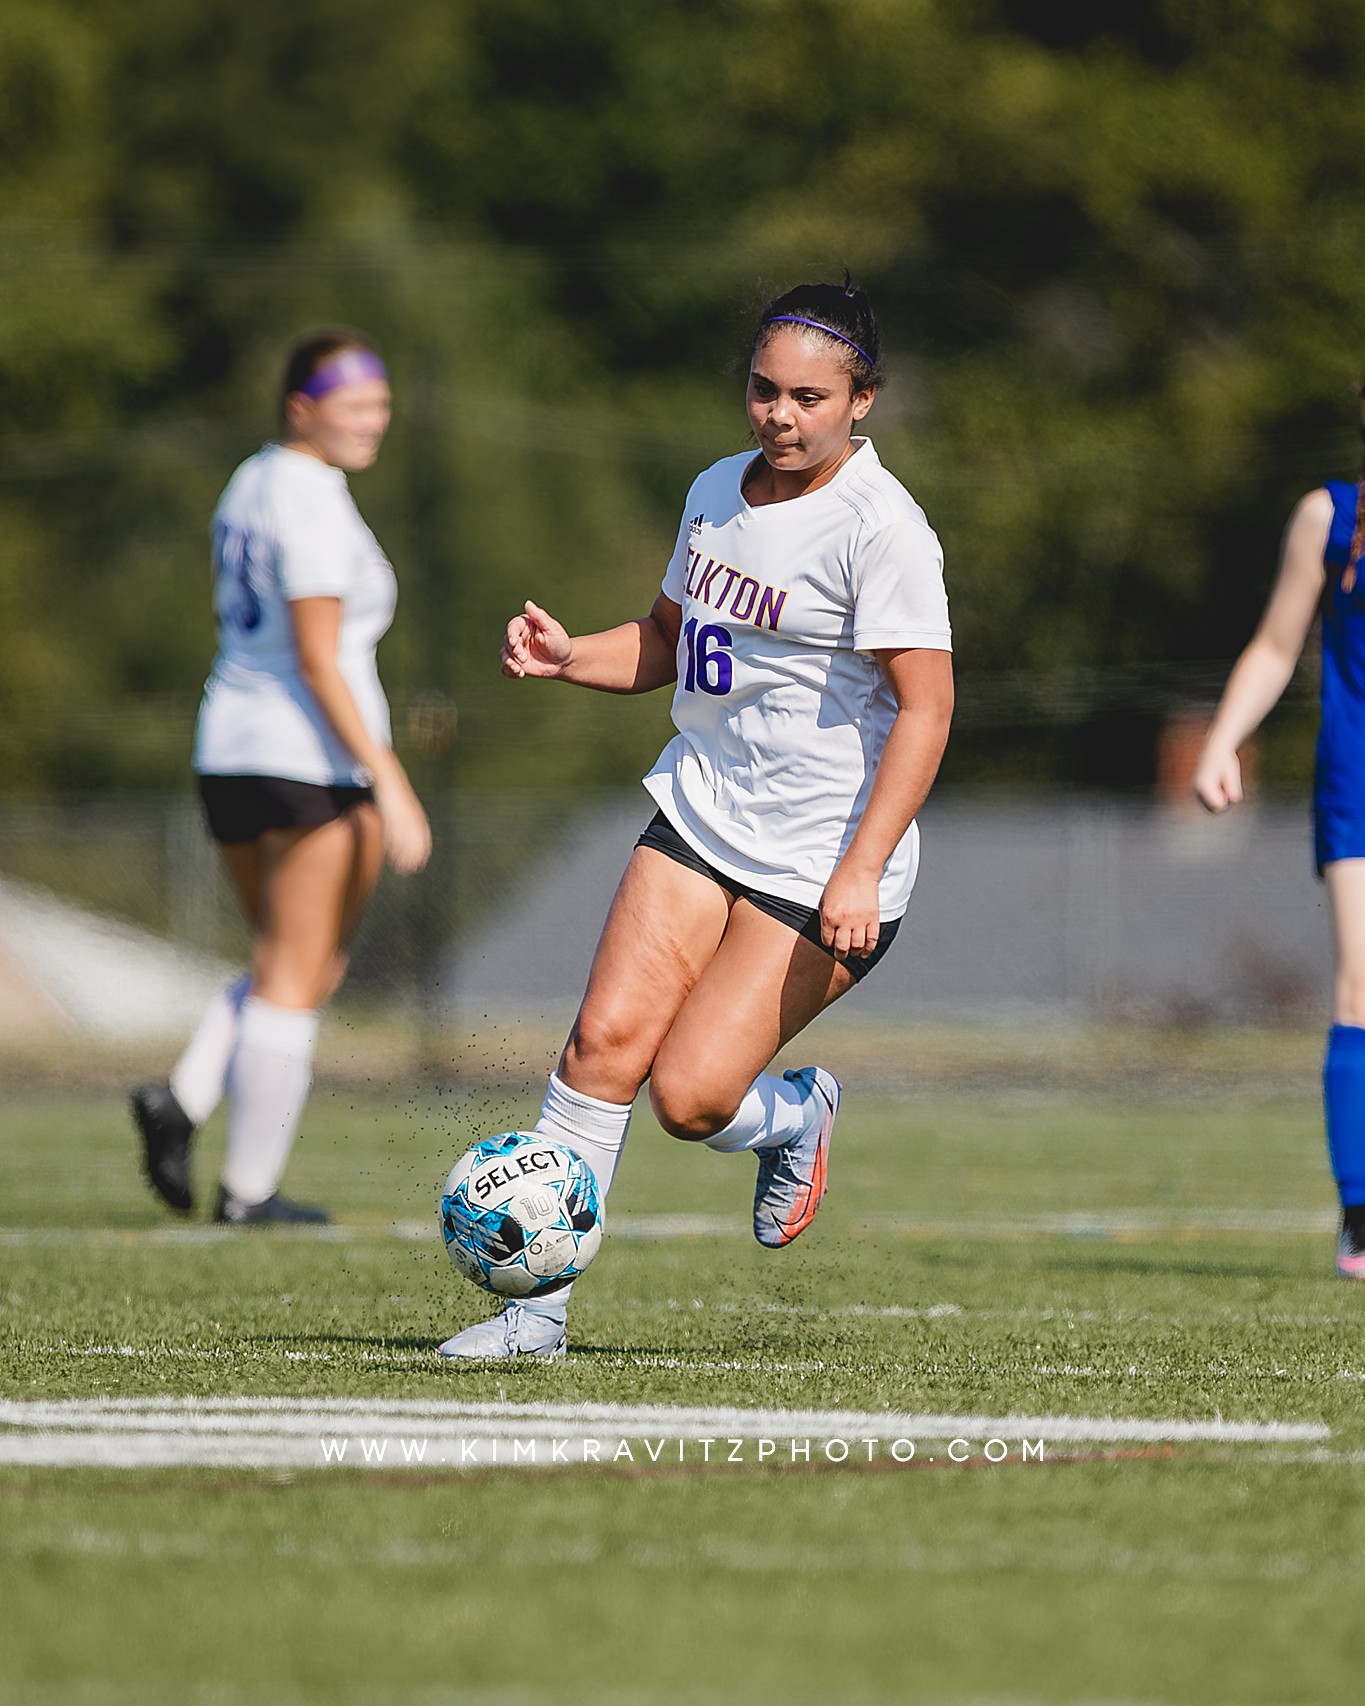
518	1332
792	1178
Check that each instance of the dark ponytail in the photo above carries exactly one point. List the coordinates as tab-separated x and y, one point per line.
843	314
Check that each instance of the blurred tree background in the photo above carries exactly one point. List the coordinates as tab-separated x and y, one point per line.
1117	252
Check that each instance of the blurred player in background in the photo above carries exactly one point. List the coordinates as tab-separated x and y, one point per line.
300	786
804	621
1320	572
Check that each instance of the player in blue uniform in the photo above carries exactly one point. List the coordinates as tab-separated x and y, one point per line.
1320	572
300	785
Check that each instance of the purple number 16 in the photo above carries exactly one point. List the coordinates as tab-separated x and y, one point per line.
709	665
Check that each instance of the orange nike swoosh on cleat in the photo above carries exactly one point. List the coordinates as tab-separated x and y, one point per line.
807	1204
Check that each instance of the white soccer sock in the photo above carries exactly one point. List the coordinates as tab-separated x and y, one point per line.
774	1111
596	1131
199	1077
268	1080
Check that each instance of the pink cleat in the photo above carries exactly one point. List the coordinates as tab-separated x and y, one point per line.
1351	1246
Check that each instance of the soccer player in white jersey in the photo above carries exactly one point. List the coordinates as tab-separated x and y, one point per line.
804	626
300	786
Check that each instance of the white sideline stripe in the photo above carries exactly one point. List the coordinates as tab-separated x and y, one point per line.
1109	1223
289	1432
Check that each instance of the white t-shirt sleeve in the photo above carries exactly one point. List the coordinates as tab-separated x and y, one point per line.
675	575
899	599
315	542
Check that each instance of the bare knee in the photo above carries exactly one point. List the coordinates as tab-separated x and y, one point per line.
685	1106
605	1055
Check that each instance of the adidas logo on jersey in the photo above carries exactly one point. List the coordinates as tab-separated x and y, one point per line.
694	524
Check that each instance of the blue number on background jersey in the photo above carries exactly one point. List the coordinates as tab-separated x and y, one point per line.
709	666
239	604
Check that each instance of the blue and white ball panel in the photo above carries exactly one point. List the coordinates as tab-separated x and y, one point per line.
521	1215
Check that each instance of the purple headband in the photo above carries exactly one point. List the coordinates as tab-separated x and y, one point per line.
829	331
346	367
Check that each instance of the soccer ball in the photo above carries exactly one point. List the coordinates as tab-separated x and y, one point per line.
521	1214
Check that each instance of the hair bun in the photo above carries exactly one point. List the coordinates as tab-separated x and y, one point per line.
843	313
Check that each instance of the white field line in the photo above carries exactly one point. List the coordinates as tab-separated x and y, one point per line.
394	1433
1117	1223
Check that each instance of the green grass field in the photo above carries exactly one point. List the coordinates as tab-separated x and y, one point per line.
1122	1232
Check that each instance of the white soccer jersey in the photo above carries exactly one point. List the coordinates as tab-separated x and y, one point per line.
286	527
780	711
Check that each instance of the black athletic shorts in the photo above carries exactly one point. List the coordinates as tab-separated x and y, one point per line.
805	920
240	808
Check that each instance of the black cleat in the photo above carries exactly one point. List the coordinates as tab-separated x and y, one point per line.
166	1130
274	1211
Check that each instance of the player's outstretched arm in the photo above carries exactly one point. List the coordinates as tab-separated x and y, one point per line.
1265	668
922	680
637	657
407	833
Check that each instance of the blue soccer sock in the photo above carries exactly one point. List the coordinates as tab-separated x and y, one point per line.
1343	1095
